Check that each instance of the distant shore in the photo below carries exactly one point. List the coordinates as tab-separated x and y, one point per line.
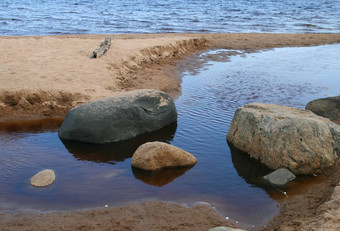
46	76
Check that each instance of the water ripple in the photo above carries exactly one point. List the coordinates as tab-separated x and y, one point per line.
47	17
93	175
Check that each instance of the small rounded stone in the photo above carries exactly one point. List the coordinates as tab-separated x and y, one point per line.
156	155
43	178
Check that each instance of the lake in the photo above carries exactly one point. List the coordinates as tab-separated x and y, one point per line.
45	17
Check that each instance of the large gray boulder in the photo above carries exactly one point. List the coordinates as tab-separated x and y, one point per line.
157	155
285	137
119	118
327	107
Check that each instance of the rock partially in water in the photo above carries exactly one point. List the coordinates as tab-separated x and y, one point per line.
119	118
157	155
223	228
280	177
327	107
43	178
285	137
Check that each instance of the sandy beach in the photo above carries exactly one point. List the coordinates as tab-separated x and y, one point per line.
46	76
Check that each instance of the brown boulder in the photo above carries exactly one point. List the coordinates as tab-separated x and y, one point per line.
285	137
157	155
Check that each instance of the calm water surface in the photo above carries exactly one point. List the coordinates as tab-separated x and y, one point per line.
32	17
98	175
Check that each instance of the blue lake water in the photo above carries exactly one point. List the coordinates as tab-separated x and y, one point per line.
43	17
97	175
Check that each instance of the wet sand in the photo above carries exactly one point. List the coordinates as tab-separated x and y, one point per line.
150	215
44	77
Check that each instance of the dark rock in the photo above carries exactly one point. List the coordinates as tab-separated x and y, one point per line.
280	177
112	153
326	107
119	118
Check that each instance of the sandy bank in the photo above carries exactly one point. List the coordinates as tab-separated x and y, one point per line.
140	217
46	76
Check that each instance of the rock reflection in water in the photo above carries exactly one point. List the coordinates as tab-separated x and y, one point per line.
160	177
119	151
252	171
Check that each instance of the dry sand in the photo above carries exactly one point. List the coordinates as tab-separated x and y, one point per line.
44	77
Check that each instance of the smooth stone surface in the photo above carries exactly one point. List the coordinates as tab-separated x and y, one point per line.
43	178
280	177
119	118
223	228
285	137
157	155
327	107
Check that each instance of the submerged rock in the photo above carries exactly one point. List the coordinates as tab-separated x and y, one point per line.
280	177
119	118
285	137
223	228
327	107
43	178
157	155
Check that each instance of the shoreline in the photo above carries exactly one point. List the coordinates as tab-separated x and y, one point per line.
134	61
147	215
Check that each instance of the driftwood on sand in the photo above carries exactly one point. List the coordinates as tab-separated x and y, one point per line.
104	46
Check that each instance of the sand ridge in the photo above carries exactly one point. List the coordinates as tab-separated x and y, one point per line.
47	76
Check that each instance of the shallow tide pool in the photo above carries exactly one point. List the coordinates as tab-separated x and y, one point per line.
97	175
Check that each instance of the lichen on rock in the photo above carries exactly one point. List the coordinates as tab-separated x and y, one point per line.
285	137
